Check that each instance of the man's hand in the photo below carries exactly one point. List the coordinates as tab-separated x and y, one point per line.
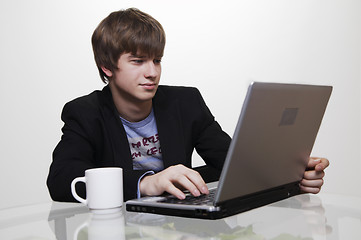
313	176
173	180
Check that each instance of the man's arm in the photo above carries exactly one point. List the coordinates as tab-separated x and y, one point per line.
71	157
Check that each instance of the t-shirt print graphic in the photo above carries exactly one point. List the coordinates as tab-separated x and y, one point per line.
146	153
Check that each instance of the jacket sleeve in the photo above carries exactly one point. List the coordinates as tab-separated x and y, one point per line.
211	142
71	157
84	145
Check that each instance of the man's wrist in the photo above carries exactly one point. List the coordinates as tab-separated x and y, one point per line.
139	192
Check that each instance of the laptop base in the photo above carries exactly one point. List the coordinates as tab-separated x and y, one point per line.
227	208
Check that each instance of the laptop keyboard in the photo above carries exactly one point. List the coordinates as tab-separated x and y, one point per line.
192	200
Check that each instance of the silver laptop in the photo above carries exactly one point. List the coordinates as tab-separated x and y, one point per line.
267	157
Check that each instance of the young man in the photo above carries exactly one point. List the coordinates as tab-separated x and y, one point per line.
134	123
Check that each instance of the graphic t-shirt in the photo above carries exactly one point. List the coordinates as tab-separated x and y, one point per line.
144	143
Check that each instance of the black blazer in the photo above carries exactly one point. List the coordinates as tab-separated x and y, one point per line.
93	136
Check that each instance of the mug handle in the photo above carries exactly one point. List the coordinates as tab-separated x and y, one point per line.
73	191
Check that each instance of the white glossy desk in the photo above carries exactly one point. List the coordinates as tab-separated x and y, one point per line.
320	216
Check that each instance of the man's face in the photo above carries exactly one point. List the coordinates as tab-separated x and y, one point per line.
136	78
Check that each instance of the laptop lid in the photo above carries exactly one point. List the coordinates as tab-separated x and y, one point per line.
273	138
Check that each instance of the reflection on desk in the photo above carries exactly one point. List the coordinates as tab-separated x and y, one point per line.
306	216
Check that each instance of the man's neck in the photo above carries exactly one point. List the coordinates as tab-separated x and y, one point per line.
134	113
131	111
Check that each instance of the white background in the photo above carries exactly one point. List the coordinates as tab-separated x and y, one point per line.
218	46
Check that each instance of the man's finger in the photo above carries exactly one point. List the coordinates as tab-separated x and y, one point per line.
311	175
324	163
312	183
194	182
171	189
198	181
185	182
310	189
319	164
313	161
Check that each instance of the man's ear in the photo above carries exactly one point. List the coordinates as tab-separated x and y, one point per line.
107	71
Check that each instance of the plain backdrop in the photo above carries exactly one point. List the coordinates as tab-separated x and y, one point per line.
218	46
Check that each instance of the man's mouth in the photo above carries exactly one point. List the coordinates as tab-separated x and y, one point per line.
148	86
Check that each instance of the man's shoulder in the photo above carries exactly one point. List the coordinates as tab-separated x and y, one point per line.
177	88
177	91
90	102
186	98
83	103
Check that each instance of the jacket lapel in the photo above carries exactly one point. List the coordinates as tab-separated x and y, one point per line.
118	138
169	129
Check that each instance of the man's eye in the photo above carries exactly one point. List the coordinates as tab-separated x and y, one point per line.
138	61
157	61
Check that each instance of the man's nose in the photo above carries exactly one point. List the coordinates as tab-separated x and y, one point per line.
151	70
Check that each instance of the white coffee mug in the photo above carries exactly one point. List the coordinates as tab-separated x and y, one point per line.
104	188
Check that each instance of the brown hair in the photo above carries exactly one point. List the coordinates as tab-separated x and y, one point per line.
126	31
